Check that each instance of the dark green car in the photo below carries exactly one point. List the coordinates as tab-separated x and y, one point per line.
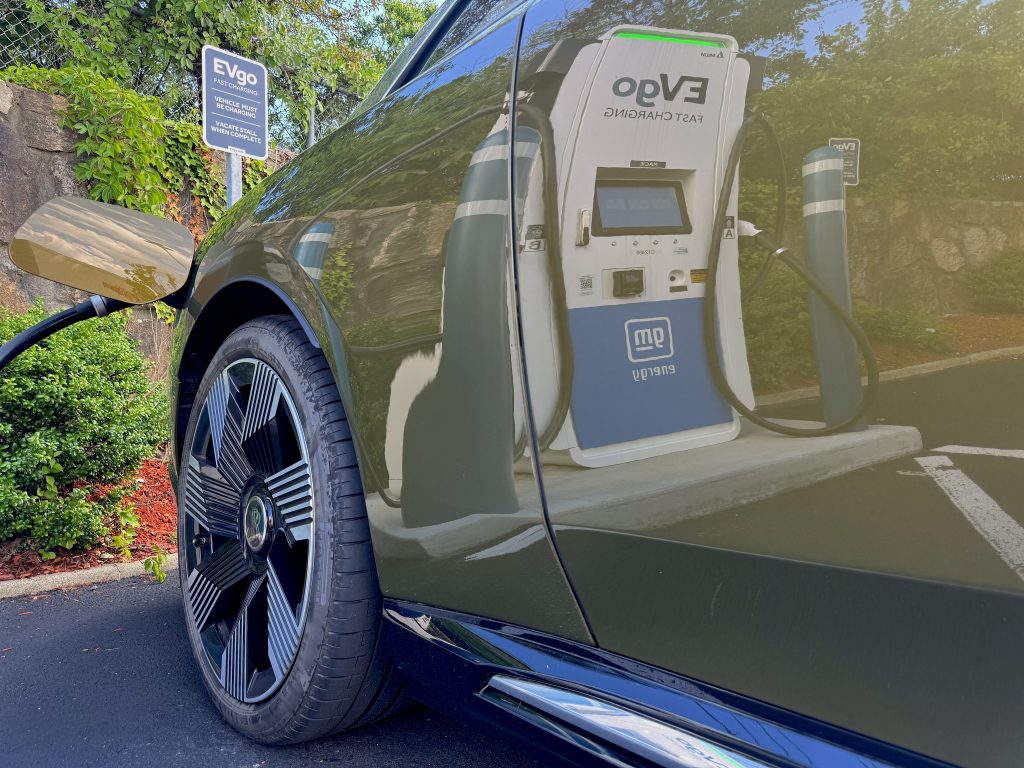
508	395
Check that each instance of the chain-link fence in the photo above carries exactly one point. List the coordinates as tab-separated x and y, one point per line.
24	40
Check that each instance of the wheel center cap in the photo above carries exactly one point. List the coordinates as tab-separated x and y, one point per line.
256	523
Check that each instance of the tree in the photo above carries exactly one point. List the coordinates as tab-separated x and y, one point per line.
154	47
933	88
387	31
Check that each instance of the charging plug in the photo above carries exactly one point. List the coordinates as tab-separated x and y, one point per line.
746	229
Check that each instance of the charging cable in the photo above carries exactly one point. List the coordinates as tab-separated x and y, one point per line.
777	253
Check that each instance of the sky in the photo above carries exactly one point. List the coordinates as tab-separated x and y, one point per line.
831	18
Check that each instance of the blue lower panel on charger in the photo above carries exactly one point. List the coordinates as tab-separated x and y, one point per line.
641	371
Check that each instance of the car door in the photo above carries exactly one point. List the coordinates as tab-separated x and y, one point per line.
870	579
403	224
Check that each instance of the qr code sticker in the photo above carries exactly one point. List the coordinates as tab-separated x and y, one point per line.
586	285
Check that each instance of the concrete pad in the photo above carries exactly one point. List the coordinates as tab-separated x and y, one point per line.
657	492
649	493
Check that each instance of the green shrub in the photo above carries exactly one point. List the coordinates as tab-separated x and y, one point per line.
77	415
776	321
901	327
998	285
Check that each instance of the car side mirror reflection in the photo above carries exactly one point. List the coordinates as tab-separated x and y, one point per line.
104	249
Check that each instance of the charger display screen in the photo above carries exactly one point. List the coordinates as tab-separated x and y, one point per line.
640	207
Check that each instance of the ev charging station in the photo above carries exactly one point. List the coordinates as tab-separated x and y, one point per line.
644	122
625	162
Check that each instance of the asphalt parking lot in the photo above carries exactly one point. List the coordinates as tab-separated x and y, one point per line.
103	676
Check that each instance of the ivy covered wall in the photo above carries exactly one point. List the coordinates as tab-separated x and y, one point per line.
45	153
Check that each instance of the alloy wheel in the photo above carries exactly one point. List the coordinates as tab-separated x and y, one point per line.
248	521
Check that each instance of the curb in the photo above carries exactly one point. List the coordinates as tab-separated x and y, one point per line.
81	578
975	358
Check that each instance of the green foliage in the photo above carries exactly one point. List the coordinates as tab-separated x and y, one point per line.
189	158
934	89
131	155
77	415
164	313
122	542
253	173
394	24
155	563
156	46
777	322
904	328
121	134
998	285
336	282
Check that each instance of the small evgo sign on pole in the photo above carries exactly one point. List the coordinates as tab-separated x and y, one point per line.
234	111
850	147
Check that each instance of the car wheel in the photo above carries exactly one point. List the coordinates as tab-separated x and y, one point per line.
281	597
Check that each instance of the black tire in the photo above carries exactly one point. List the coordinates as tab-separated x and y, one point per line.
339	676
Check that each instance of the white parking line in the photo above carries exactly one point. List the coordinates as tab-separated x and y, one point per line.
1008	453
1004	533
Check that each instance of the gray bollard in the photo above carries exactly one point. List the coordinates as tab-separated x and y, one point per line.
835	350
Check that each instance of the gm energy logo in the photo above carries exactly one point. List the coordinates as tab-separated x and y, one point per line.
648	338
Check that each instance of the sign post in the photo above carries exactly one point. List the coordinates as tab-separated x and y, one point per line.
234	111
850	148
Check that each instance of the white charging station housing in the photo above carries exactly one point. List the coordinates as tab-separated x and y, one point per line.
643	126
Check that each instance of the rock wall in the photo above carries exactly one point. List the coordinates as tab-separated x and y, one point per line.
37	163
919	254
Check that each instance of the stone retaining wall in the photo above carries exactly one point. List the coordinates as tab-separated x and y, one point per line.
37	163
919	253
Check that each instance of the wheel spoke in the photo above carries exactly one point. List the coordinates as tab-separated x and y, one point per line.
208	582
282	626
263	399
211	500
226	426
234	664
292	492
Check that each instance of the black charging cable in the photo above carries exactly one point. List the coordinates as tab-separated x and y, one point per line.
539	120
96	306
780	254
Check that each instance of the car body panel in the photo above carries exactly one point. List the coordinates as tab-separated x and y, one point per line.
452	660
364	233
864	607
826	600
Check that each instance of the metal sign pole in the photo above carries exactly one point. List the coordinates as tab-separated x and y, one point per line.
234	180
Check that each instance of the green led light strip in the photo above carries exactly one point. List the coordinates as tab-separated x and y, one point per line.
667	39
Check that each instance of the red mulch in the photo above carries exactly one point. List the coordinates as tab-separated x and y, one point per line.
158	527
967	334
